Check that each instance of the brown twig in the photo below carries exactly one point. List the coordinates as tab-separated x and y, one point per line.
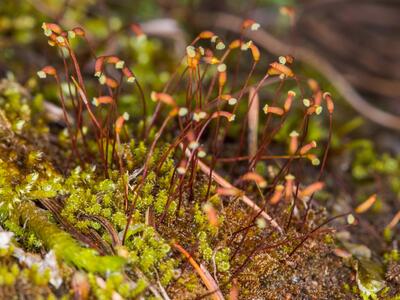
207	280
225	184
254	108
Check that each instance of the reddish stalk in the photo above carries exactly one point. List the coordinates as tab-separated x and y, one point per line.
208	281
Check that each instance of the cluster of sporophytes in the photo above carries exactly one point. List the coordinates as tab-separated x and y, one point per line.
143	189
27	177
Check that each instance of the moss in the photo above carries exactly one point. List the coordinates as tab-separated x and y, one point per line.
393	255
63	244
222	258
387	234
21	186
86	194
22	280
148	251
204	248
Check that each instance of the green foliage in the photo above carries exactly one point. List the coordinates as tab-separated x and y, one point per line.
393	255
88	196
149	252
64	245
369	278
20	187
222	259
115	282
204	247
367	164
85	193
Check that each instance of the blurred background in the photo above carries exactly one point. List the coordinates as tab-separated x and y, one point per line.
351	46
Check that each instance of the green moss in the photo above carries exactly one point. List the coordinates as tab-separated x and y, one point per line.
222	258
148	251
393	255
204	248
63	244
